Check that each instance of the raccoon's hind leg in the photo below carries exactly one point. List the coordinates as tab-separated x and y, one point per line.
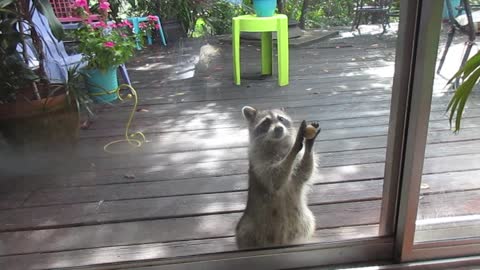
246	233
304	170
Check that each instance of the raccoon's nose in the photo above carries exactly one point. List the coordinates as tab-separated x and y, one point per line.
278	131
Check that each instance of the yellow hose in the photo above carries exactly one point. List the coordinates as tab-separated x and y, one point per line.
136	139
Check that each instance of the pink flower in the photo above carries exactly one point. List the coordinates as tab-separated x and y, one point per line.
109	44
143	25
95	25
152	18
113	25
100	24
104	5
123	35
81	3
128	23
157	26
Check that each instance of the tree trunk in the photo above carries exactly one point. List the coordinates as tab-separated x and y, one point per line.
303	15
281	7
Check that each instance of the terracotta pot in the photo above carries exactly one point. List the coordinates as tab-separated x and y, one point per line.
44	123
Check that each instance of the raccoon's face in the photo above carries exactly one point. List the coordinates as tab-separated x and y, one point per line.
271	125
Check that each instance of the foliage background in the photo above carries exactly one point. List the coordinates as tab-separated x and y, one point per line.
200	17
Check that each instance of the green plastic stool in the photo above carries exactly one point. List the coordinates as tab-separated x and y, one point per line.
251	23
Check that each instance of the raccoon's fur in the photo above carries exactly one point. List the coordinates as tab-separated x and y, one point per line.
281	162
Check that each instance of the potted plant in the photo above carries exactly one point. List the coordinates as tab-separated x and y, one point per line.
105	46
33	111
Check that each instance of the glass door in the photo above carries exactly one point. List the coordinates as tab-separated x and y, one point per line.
388	163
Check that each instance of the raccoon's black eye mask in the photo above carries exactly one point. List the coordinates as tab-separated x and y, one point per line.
284	121
263	127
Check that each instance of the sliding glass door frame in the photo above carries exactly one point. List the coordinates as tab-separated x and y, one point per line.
415	140
404	57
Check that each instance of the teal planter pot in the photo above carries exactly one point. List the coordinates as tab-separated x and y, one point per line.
102	84
264	8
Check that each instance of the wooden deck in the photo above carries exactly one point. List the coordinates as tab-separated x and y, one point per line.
182	193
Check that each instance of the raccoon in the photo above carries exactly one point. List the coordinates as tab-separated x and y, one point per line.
279	170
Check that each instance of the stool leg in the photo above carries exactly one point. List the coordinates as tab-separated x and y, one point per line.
149	38
136	30
236	51
283	57
160	30
267	53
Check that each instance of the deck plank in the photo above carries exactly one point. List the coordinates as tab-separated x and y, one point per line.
167	207
129	253
364	127
13	200
447	231
304	98
260	91
333	174
450	204
148	230
108	208
234	167
192	171
438	182
374	131
238	137
187	228
220	183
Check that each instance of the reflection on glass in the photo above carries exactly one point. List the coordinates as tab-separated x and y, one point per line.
187	185
450	188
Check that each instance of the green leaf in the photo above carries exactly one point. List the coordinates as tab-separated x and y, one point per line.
471	65
4	3
460	98
8	11
46	9
452	107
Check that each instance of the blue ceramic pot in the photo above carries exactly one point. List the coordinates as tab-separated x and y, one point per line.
265	8
102	84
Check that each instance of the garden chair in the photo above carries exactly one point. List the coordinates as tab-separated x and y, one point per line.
64	10
136	29
463	20
57	61
382	8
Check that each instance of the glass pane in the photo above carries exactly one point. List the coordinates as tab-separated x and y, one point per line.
450	189
184	189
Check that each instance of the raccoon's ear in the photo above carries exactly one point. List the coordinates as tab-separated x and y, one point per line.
249	113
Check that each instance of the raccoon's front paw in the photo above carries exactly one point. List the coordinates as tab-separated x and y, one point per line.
309	142
298	145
